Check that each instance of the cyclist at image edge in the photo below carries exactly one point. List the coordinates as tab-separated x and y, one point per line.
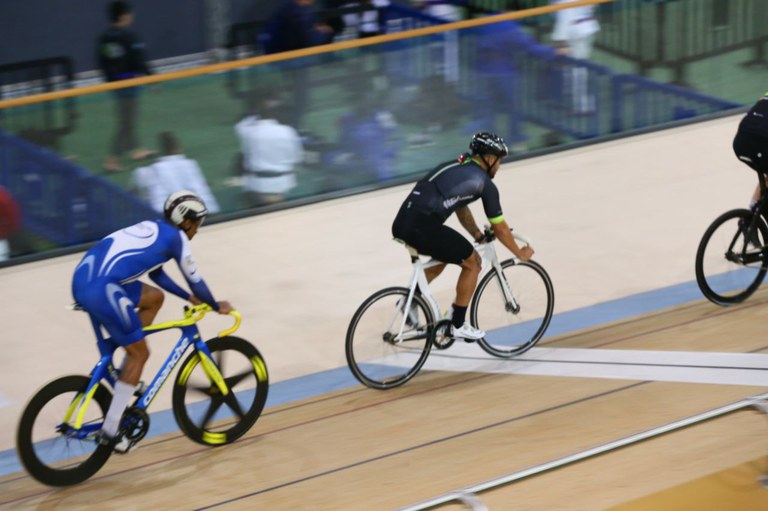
451	187
751	141
106	285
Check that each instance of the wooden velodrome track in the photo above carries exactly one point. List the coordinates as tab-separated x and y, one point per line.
615	224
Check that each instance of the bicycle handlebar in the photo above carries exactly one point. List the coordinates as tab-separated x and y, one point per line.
193	314
489	236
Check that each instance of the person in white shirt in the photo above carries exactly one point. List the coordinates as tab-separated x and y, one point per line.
366	23
172	172
574	34
270	151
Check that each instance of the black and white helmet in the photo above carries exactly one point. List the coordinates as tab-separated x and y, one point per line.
488	143
184	205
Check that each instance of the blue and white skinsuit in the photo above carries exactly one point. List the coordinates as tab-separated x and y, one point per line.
106	284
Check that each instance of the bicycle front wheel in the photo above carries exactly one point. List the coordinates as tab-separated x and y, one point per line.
202	412
50	447
730	263
386	346
514	307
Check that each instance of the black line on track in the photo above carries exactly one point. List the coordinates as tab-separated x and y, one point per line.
345	394
423	445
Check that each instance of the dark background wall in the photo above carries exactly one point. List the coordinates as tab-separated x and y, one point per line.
36	29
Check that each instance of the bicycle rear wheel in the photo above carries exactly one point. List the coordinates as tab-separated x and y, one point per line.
378	354
515	327
202	412
49	446
730	263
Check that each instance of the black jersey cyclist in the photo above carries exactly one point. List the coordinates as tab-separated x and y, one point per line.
751	141
451	187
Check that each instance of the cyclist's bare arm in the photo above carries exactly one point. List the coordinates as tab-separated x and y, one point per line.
468	222
503	233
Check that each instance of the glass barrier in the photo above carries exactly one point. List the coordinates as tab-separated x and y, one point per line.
368	113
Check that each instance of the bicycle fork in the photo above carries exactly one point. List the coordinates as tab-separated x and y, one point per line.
510	304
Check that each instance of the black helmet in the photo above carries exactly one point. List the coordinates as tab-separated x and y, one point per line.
488	143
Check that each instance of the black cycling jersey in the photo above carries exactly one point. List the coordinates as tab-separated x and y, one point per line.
121	55
756	120
454	184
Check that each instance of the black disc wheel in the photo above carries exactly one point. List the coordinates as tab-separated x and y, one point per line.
206	415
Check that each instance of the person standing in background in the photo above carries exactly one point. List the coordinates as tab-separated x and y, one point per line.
367	23
270	150
293	26
170	173
120	56
574	35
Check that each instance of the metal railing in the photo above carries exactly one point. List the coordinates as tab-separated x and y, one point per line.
468	496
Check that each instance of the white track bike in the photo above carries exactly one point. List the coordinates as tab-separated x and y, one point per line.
392	332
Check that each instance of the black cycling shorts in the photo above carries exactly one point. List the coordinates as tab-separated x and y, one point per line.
429	236
752	150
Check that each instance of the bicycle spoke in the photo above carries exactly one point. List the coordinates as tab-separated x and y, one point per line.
386	346
216	401
233	404
514	307
232	381
730	260
204	390
220	419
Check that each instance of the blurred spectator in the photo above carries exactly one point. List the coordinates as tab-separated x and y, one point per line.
170	173
439	9
120	56
366	23
366	150
574	35
270	151
10	221
497	91
293	26
434	107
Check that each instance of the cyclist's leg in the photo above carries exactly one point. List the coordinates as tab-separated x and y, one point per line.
415	228
446	244
114	306
149	303
752	150
434	271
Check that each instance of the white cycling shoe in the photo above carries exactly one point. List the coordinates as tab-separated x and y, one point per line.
119	443
467	332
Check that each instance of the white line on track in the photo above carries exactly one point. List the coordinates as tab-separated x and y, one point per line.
673	366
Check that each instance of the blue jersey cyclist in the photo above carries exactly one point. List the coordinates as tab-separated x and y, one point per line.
451	187
106	284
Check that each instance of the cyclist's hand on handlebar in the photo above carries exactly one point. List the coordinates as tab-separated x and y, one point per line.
194	300
224	307
487	236
526	253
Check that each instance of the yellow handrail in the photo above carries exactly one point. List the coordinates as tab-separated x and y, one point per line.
276	57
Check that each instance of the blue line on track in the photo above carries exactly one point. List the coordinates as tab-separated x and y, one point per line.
162	422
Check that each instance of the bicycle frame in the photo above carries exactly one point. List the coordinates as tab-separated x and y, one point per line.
104	369
759	211
489	257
